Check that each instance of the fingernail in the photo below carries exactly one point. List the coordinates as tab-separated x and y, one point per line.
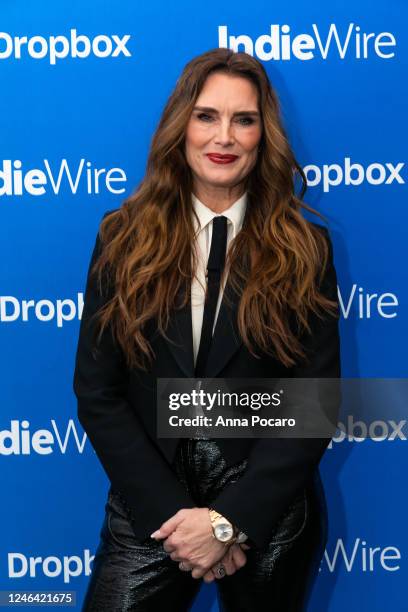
155	534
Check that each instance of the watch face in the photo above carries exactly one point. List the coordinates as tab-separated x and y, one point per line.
223	532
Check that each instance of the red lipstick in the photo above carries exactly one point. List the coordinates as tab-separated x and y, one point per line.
217	158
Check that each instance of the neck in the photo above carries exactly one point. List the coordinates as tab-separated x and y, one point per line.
218	199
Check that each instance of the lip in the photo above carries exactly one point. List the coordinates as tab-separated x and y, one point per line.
218	158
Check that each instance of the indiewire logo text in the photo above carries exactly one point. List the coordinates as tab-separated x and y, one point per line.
17	181
282	44
362	304
60	47
362	558
20	440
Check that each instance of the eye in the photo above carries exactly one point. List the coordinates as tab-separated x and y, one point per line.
207	118
249	119
202	116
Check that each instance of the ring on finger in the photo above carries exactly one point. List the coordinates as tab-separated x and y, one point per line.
220	570
184	567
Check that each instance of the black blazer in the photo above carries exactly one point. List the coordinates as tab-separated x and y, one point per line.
117	409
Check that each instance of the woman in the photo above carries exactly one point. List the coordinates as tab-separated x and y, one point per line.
249	513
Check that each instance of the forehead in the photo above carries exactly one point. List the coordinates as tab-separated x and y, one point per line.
228	89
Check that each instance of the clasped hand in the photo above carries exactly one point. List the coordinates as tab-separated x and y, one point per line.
188	537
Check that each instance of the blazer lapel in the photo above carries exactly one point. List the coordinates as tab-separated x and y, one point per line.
226	338
180	334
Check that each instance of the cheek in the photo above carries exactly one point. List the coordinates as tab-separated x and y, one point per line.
250	144
251	140
196	136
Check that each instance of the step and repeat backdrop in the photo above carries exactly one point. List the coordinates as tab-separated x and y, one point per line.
83	84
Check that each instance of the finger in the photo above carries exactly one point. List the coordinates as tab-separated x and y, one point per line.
198	573
216	574
228	563
168	526
168	547
185	567
238	556
229	569
203	567
245	546
209	577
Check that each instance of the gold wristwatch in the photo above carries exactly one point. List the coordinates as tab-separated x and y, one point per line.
224	530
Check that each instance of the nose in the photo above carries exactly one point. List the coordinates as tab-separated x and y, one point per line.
224	135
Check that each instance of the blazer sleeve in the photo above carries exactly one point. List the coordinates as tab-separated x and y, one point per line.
278	468
134	466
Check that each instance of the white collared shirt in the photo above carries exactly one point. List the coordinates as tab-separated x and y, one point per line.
235	216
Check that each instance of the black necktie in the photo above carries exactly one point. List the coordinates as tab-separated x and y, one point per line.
215	266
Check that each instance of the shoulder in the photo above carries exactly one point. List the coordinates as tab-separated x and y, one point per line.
325	232
98	234
97	249
323	229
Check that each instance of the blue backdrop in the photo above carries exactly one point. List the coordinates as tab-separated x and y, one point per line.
77	114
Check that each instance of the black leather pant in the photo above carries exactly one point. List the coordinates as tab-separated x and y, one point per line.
131	575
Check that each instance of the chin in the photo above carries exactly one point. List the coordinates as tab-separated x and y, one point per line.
221	183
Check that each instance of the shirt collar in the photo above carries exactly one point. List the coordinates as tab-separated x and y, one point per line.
235	213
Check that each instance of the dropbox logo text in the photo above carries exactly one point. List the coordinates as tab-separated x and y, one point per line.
57	48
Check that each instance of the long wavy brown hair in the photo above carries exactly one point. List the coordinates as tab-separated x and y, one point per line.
276	262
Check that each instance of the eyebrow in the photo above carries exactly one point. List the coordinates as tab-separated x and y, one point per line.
209	109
